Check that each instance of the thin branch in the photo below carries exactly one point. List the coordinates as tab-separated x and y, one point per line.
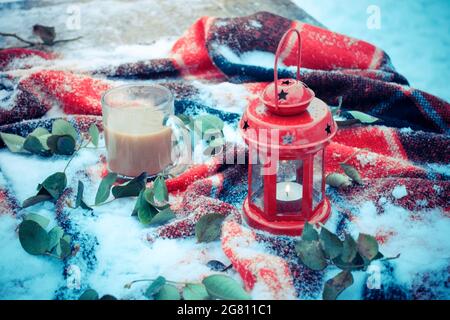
31	43
13	35
67	40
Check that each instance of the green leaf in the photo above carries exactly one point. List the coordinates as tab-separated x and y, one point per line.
208	122
54	236
105	187
132	188
208	228
94	133
80	192
223	287
13	141
65	248
309	233
39	132
330	242
55	184
67	238
338	180
160	190
352	173
311	254
334	286
146	212
195	291
64	145
43	140
155	287
33	238
367	246
363	117
150	198
162	217
89	294
36	199
79	202
349	249
62	127
33	145
168	292
41	220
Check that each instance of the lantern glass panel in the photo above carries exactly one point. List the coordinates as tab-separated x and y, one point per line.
289	190
257	186
317	179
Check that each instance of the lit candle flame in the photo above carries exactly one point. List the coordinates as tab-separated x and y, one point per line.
287	189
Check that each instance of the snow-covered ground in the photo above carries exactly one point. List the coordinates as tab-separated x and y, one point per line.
415	34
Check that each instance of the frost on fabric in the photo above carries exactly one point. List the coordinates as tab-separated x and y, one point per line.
421	239
399	192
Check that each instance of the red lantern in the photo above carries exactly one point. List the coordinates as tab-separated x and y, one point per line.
286	132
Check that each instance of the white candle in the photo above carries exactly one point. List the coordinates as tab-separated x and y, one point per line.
289	191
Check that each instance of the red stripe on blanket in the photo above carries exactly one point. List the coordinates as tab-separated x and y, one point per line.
75	94
190	54
9	55
326	50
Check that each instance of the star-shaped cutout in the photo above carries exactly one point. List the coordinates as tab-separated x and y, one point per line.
282	95
286	82
261	109
246	126
287	138
328	129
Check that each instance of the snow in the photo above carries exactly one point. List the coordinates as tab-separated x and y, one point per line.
399	192
224	96
23	276
413	33
252	58
124	254
424	246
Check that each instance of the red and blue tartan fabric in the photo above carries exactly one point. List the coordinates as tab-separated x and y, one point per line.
411	139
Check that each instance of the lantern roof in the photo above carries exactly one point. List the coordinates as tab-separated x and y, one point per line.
292	96
306	129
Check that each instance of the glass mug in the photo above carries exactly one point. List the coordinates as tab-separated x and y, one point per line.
141	132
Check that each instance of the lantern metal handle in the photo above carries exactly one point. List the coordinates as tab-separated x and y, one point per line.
277	54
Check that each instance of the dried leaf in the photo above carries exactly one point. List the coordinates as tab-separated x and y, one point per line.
349	249
367	246
334	286
331	244
352	173
338	180
311	254
47	34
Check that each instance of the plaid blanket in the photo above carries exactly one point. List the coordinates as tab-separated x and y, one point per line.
409	147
